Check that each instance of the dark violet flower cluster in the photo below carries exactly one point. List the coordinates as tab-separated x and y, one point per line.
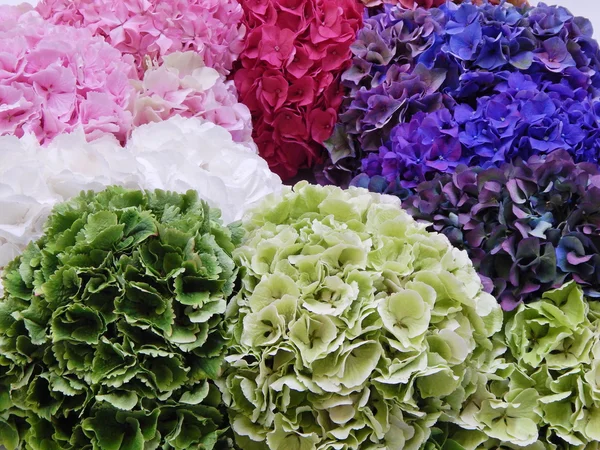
528	227
464	84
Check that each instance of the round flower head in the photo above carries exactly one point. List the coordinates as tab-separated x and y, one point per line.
430	89
57	78
155	28
110	325
294	55
528	227
353	326
546	388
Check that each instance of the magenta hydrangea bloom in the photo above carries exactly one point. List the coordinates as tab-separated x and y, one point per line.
156	28
54	78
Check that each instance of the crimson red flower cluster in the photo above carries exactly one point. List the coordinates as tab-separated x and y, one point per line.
295	53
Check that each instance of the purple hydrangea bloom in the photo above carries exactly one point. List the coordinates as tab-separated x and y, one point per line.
517	119
528	227
509	82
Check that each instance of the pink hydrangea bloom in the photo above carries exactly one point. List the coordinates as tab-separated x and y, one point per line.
183	85
156	28
54	78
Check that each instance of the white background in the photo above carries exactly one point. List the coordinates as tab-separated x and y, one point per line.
586	8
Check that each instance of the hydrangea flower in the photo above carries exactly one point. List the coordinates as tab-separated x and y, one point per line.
182	85
55	78
289	75
155	28
178	155
434	3
512	123
353	326
544	392
62	77
528	227
485	84
111	325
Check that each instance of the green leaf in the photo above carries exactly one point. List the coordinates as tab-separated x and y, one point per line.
9	435
103	231
61	287
144	303
120	399
195	395
138	226
78	323
113	430
167	374
35	319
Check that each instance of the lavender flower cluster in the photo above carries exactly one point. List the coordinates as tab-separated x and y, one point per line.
464	84
528	226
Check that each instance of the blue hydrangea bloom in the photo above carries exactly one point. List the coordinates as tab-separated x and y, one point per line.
464	84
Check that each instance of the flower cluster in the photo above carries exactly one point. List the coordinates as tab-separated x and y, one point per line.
55	78
289	77
406	3
111	325
182	85
177	154
354	327
545	391
60	77
527	227
435	3
181	154
155	28
517	120
475	85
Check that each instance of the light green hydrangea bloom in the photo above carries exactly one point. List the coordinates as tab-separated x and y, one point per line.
446	436
547	387
354	327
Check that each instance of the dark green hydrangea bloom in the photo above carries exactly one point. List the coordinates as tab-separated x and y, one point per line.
111	326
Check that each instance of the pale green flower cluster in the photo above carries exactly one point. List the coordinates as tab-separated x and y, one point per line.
354	327
546	392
